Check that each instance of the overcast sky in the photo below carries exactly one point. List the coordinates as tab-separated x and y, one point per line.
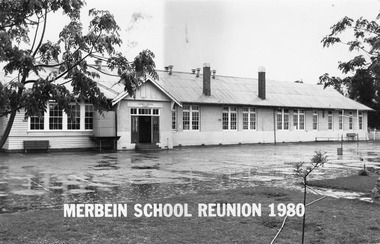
234	36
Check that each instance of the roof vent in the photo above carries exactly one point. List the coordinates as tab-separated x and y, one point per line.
213	73
193	71
198	71
166	68
171	69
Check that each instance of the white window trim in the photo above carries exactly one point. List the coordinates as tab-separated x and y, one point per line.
360	124
332	120
229	118
191	117
175	120
315	113
148	114
298	113
282	112
350	121
251	110
341	116
64	120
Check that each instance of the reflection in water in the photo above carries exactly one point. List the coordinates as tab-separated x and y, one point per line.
127	177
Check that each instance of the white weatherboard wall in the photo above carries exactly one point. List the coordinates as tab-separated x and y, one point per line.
58	139
211	133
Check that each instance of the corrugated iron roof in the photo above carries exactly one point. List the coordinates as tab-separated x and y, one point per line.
188	88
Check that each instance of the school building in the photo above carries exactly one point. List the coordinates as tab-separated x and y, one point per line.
197	108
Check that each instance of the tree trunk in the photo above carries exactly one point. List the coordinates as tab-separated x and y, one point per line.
8	128
10	122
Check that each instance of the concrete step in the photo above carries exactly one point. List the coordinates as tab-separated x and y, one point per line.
147	146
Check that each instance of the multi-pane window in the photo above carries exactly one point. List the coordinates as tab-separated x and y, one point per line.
88	117
330	120
73	119
315	120
283	119
190	117
340	120
229	117
145	111
299	119
350	120
360	120
173	120
55	117
37	122
249	118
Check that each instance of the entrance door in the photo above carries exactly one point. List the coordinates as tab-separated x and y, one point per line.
156	129
145	129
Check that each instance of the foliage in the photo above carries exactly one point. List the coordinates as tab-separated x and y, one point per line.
318	160
362	72
60	70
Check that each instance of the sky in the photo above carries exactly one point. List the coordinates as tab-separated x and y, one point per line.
234	36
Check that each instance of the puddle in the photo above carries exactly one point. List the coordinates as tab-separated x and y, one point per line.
50	180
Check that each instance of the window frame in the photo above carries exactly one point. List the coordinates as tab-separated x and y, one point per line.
330	114
249	118
192	119
63	124
229	116
299	119
315	120
350	120
341	120
283	115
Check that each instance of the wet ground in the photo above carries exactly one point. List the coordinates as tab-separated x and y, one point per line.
48	180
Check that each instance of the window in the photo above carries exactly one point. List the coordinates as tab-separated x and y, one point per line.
190	117
55	117
315	120
229	117
299	119
37	122
360	120
350	120
73	119
283	119
340	120
249	119
173	120
145	111
88	117
330	120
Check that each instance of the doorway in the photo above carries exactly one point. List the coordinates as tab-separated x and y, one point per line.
145	129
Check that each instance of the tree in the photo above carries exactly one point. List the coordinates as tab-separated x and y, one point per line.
362	81
318	160
43	68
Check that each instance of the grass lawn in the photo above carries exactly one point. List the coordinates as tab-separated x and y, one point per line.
354	183
328	221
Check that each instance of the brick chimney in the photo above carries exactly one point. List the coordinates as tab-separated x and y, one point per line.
262	85
206	79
